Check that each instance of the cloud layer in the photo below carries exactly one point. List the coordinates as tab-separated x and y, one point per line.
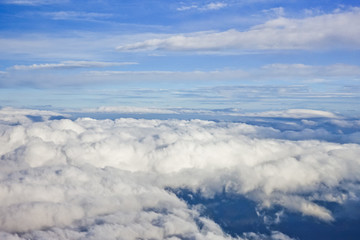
86	179
285	73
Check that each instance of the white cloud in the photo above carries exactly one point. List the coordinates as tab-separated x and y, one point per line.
295	113
277	12
33	2
290	113
310	70
205	7
90	178
71	15
171	75
76	46
24	116
123	109
299	73
214	6
336	30
185	8
70	64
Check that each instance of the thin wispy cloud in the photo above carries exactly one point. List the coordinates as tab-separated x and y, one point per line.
206	7
277	12
70	64
214	6
299	73
71	15
293	70
264	73
320	32
32	2
185	8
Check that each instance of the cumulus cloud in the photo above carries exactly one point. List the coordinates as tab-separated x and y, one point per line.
93	178
319	32
70	64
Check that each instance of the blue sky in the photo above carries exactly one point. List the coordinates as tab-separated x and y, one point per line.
250	55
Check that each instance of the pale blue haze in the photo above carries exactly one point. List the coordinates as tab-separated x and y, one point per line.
82	54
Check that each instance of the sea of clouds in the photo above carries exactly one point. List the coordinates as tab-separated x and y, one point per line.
63	178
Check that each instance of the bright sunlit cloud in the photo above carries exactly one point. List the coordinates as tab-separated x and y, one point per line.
87	177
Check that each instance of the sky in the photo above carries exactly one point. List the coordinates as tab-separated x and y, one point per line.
179	119
260	55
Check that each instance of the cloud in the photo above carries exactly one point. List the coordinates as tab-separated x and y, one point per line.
89	178
137	110
205	7
277	12
295	113
32	2
172	75
290	113
70	64
185	8
214	6
76	46
319	32
276	71
269	87
15	77
299	76
15	116
71	15
313	71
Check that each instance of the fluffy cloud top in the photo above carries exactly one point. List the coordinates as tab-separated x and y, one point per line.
87	179
324	31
